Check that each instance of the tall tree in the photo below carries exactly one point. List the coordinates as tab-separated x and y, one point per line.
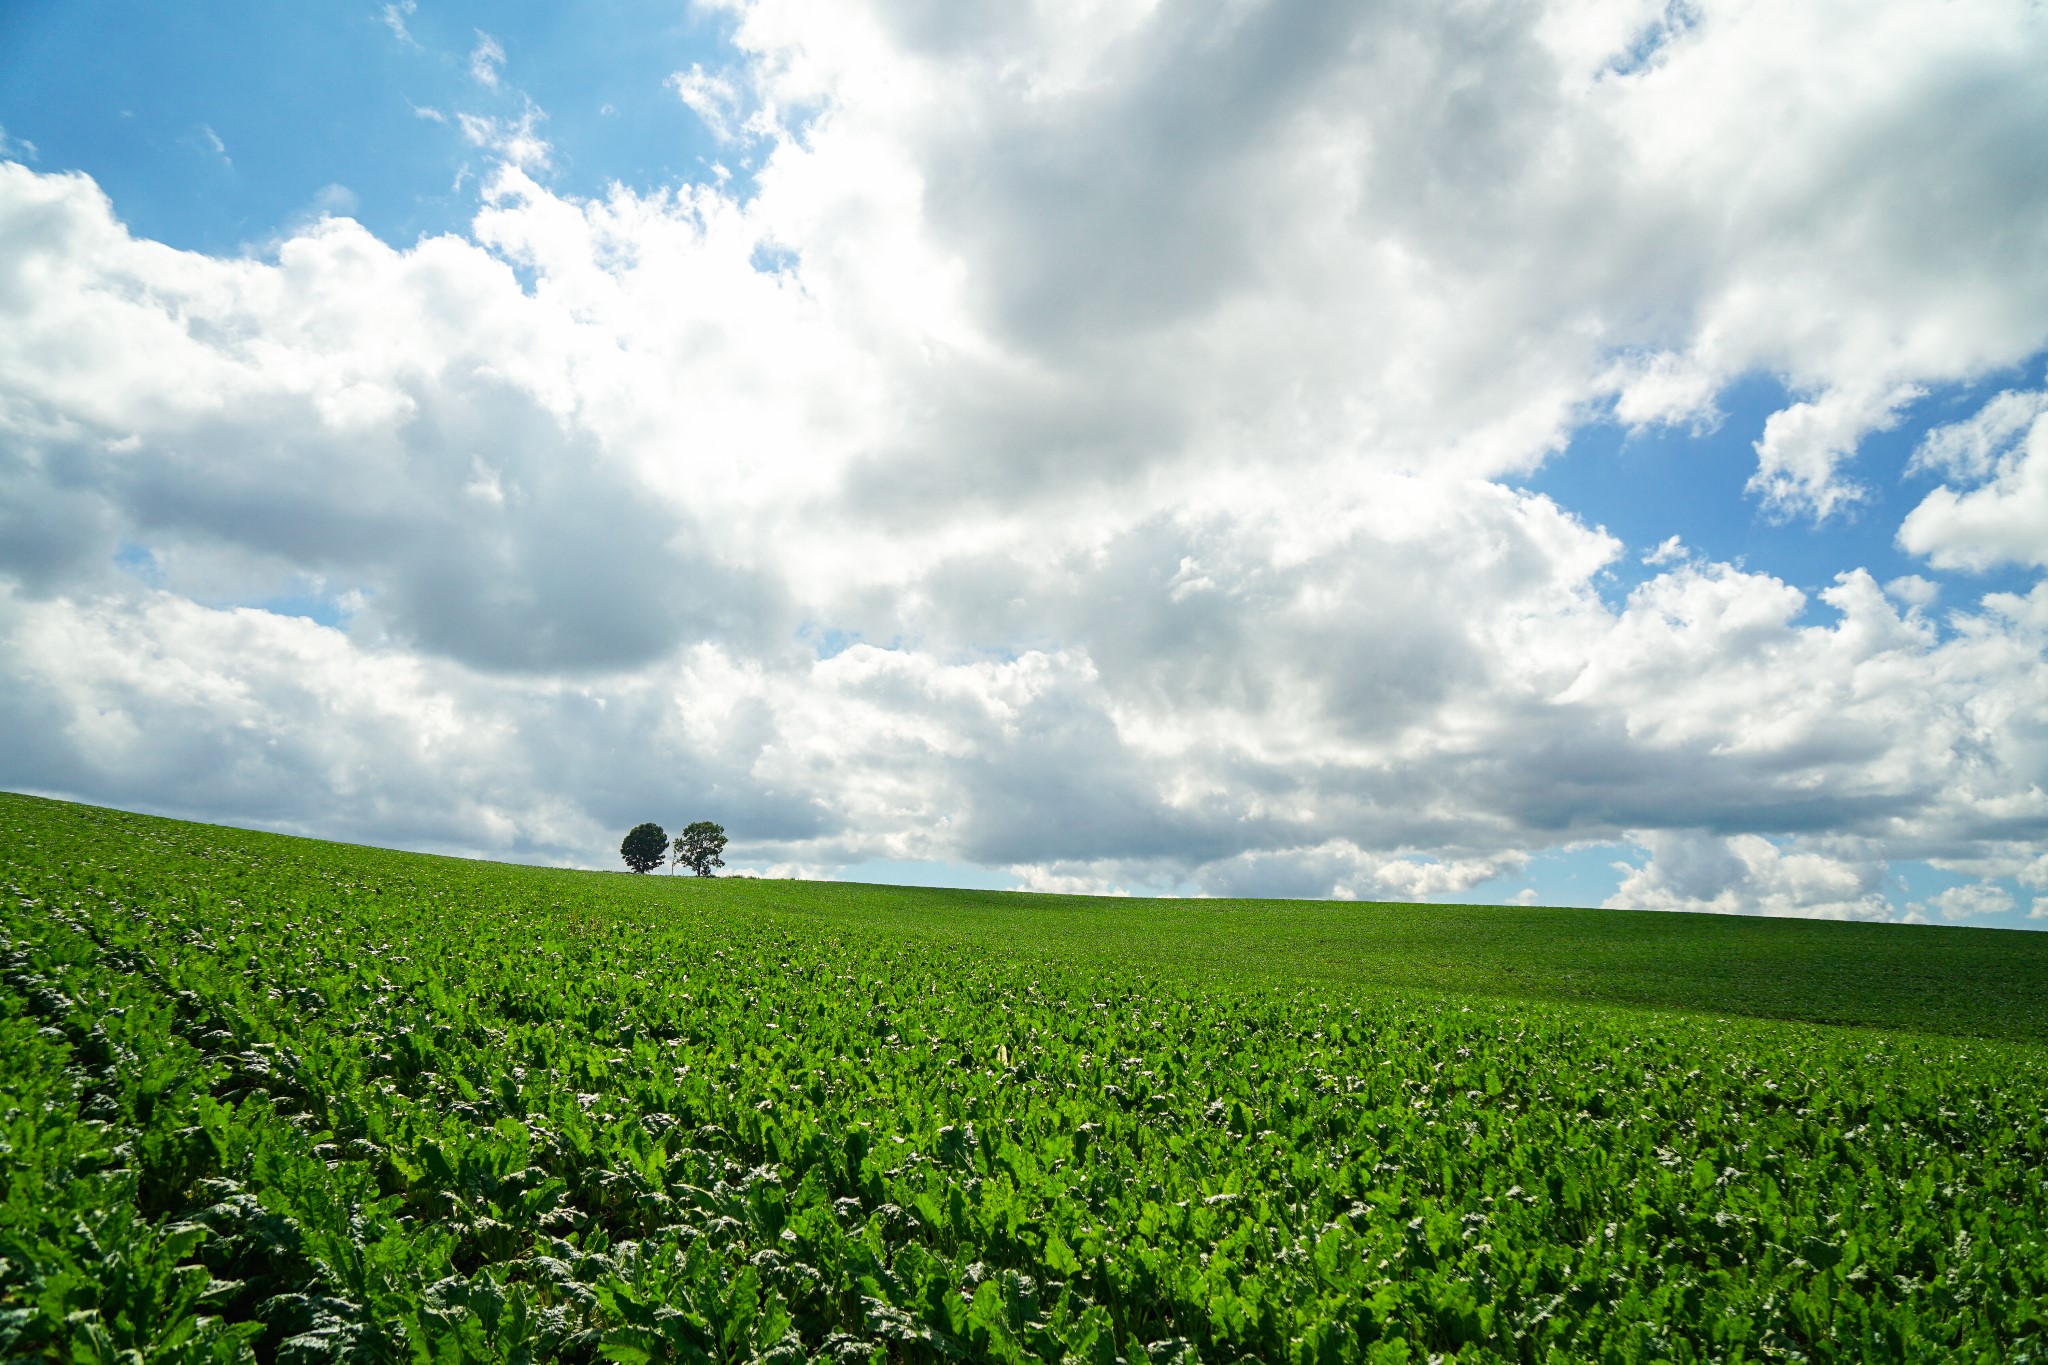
643	847
699	845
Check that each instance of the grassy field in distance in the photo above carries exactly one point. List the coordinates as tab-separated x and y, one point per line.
1988	983
1985	983
1974	982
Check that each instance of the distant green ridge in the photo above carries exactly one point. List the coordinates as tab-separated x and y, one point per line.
1969	982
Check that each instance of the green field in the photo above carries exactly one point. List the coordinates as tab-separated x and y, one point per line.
306	1101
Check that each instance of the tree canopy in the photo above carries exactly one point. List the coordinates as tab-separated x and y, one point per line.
699	845
644	847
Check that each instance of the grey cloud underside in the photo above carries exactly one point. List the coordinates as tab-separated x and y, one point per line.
567	567
296	749
53	533
1206	238
988	442
1400	648
1165	184
1124	209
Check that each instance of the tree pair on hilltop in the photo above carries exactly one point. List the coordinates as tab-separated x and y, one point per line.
696	848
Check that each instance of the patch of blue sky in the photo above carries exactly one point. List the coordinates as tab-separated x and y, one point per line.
138	563
1659	33
826	641
1917	886
308	598
1647	486
910	872
1585	875
218	127
319	607
773	260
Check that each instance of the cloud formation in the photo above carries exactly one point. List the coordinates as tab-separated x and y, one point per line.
1079	449
1746	873
2000	459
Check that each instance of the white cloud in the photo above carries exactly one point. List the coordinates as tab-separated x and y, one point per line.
2003	450
1974	449
1746	874
516	141
1665	389
487	61
394	16
1913	591
335	200
712	97
513	139
1803	445
1972	902
16	148
1078	450
208	141
1671	550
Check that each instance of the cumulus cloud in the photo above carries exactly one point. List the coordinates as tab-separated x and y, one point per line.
1974	449
1803	446
1973	902
1363	201
329	414
1078	450
1670	550
1749	874
1915	592
2000	456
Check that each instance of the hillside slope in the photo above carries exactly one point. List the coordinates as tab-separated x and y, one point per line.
1988	983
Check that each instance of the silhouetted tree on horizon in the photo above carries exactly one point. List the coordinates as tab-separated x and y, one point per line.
699	845
643	847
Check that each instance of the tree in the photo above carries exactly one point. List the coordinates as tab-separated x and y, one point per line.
699	845
644	846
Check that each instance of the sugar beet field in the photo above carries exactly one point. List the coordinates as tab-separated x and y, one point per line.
296	1101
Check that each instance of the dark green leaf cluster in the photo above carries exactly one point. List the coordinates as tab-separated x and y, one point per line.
699	847
307	1103
644	847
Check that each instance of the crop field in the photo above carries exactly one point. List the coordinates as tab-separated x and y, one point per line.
295	1101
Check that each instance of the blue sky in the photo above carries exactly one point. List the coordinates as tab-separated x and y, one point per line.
219	127
1689	482
1169	480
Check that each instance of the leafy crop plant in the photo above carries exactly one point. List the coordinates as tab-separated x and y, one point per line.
274	1099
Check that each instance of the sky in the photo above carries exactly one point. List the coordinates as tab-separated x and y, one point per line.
1584	453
